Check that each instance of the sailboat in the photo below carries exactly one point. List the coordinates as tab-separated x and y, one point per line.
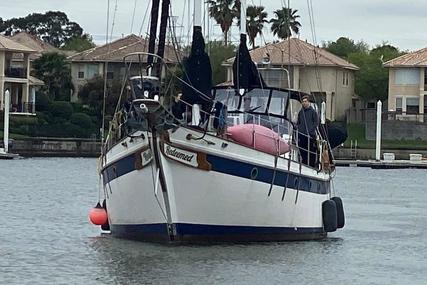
213	164
4	151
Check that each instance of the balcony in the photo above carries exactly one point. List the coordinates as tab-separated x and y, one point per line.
15	72
23	108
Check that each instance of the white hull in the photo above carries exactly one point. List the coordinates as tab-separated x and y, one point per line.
211	191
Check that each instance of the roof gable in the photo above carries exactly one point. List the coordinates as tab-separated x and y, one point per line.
294	51
116	50
34	43
7	44
413	59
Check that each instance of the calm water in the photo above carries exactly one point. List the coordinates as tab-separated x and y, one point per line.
45	237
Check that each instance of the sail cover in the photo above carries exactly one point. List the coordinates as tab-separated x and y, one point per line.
245	73
197	73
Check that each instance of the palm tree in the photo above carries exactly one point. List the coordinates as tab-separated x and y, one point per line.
256	18
223	11
285	23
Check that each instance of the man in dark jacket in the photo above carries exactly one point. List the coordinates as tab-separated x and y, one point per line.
307	125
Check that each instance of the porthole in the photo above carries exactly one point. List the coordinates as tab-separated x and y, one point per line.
254	173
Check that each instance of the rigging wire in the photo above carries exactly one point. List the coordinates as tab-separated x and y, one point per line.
105	81
143	19
133	16
108	40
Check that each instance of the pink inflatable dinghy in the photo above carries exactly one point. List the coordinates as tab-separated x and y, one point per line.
258	137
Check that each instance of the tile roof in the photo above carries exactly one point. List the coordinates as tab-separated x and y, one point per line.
35	81
301	53
34	43
7	44
116	50
413	59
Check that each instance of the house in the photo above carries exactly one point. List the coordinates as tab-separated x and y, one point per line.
15	77
310	69
91	63
33	42
407	86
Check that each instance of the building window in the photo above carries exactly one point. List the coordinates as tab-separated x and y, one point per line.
407	76
92	71
81	74
399	105
412	105
345	76
371	105
110	75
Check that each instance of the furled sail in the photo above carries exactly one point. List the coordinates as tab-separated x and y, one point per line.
197	73
245	72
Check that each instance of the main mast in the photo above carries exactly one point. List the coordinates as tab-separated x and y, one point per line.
153	34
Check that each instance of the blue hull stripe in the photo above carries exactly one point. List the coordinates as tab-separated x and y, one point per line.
235	168
199	232
264	174
119	168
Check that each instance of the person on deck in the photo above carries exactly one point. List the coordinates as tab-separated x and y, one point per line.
306	125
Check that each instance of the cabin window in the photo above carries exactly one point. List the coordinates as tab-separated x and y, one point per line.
81	75
278	103
412	105
256	100
407	76
229	98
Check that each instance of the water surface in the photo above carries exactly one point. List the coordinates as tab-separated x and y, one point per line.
45	237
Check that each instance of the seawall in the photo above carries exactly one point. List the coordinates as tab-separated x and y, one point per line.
365	154
71	147
65	147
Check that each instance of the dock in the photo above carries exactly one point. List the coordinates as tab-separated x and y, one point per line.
6	155
382	164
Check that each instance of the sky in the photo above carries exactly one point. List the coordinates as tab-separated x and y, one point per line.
396	22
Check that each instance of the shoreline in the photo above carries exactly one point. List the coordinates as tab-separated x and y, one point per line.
80	147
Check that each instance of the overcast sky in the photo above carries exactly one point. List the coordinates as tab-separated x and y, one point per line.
400	23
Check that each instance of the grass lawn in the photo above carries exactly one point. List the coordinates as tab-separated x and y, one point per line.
12	136
357	132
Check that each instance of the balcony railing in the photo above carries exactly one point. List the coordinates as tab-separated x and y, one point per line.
16	72
404	116
23	108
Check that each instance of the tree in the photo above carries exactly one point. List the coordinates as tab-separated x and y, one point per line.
92	94
256	18
223	12
79	43
371	81
53	27
218	53
285	22
55	71
343	47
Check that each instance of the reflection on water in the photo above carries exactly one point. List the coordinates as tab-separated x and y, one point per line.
45	237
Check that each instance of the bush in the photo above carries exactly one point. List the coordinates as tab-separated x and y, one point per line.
82	120
42	101
61	109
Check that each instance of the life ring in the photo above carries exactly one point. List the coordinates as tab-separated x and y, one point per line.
329	214
340	212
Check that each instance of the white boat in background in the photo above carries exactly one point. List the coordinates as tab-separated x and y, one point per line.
172	172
